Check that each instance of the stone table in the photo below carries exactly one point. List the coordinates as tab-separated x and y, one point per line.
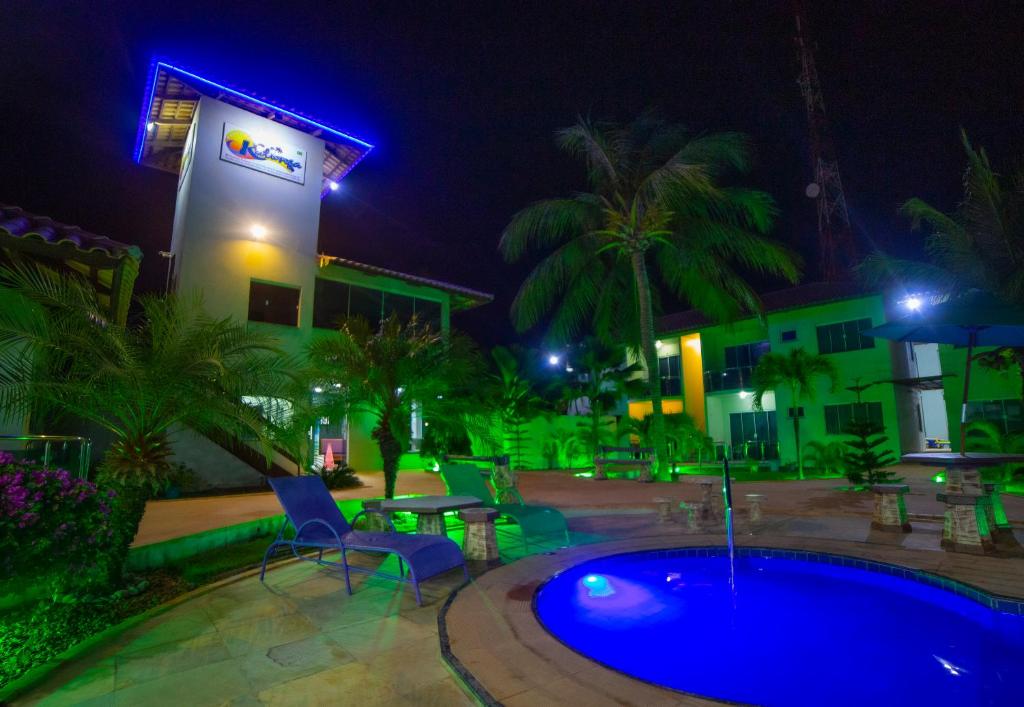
970	514
430	510
754	499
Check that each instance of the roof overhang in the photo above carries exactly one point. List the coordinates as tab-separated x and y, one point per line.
461	297
170	100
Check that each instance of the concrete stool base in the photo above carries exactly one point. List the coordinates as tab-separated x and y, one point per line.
890	512
480	541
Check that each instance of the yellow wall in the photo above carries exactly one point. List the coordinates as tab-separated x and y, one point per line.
693	378
640	410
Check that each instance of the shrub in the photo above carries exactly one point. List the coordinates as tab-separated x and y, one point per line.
864	458
53	527
341	476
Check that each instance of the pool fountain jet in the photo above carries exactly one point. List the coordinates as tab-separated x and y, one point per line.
727	497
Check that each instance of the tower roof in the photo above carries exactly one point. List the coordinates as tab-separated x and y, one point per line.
172	94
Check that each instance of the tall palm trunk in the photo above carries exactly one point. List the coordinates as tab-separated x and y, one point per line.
650	356
390	453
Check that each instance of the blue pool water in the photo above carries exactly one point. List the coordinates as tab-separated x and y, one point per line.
793	633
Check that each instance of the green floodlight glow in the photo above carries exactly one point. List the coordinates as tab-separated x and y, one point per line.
940	478
584	474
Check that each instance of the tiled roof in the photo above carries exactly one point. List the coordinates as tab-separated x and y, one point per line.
777	301
17	223
470	297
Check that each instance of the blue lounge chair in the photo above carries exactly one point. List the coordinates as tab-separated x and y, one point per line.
535	522
319	524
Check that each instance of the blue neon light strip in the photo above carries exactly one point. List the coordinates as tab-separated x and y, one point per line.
148	108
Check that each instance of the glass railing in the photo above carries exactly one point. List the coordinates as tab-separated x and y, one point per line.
753	451
52	451
735	378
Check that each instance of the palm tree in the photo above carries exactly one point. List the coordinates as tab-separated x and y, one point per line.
654	208
171	366
978	246
986	436
385	373
602	377
795	371
681	432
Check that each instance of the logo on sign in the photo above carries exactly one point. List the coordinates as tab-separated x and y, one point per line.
249	150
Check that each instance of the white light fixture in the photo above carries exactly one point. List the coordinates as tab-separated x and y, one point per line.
334	186
257	231
569	369
744	395
318	389
149	126
913	303
658	344
553	360
337	385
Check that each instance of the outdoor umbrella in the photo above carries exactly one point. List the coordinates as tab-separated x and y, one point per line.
976	319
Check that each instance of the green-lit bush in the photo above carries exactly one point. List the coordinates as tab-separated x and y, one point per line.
53	528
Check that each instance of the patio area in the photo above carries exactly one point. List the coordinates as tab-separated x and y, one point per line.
300	640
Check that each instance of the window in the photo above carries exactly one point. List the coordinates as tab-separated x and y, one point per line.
330	303
754	435
788	335
273	304
669	372
845	336
837	417
1007	415
745	355
365	303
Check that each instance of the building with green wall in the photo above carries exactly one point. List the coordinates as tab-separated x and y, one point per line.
913	390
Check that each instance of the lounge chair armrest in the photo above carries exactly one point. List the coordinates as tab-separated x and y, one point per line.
317	521
379	512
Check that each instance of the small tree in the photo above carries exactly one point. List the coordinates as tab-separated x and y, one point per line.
864	457
517	400
795	371
826	457
383	372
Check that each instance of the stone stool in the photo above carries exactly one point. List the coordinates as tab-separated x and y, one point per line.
754	499
890	513
709	504
375	521
966	526
480	541
692	511
664	509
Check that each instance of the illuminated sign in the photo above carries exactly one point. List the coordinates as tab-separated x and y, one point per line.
241	147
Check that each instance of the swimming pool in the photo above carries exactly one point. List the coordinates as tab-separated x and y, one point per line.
799	629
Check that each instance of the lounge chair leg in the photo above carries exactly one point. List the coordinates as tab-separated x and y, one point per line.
401	568
344	562
266	557
465	571
320	557
416	588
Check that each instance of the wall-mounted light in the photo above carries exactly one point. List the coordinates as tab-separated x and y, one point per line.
913	303
149	126
658	344
258	231
318	389
553	359
334	186
744	394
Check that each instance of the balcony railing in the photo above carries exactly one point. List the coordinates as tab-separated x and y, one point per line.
747	451
735	378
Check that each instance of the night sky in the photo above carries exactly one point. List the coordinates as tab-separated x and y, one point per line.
462	103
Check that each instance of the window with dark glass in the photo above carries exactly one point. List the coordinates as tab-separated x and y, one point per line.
669	371
273	304
844	336
330	303
754	435
1006	415
366	303
745	355
399	305
429	312
838	417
